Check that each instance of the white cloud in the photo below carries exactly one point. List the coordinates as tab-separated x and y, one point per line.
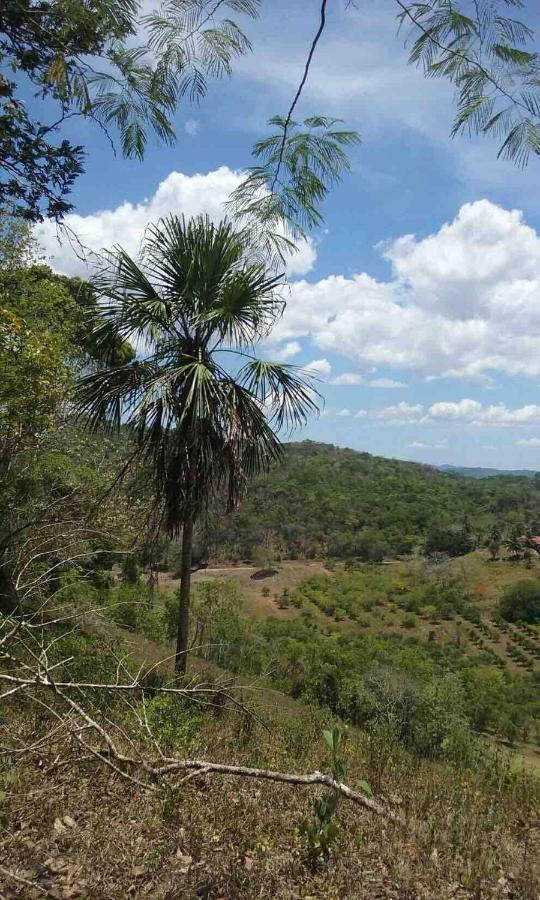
319	367
473	412
125	224
421	445
191	127
529	442
387	383
463	409
463	302
348	378
288	350
401	414
460	412
345	413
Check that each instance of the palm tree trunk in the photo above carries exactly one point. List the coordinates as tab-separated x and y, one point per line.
182	639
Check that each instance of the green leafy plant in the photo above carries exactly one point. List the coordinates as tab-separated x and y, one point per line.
321	830
4	819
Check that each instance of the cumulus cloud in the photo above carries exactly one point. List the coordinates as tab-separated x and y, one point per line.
288	350
387	383
400	414
348	378
125	224
463	410
462	303
475	413
459	412
466	411
319	367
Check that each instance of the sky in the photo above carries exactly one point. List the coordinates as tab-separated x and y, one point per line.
417	303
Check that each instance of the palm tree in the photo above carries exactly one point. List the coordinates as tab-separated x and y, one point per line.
494	542
204	411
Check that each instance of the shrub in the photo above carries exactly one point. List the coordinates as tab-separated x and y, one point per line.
409	621
521	602
446	540
130	606
174	723
440	727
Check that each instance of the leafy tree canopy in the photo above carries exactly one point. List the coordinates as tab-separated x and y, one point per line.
109	61
521	602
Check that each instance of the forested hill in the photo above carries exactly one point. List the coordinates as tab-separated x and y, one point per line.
328	501
482	472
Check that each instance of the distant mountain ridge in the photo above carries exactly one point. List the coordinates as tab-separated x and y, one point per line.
480	472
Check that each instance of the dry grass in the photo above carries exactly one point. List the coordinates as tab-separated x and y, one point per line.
289	574
225	838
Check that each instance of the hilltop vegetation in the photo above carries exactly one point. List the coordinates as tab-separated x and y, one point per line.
486	472
324	501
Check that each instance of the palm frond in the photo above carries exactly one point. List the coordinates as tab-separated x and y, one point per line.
287	392
199	427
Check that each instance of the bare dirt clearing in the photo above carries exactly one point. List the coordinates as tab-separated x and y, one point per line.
258	604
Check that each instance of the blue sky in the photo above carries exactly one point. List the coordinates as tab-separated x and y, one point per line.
417	303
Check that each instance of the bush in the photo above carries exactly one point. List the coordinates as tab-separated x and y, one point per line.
130	606
521	602
440	727
174	723
409	621
446	540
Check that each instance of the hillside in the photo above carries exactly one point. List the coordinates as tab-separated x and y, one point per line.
466	816
328	501
482	472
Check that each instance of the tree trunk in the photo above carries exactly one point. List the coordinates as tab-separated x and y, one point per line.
182	639
9	601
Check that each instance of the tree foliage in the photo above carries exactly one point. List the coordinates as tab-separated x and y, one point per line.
329	501
521	602
488	56
109	61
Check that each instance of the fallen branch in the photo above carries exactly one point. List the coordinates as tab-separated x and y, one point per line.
174	765
18	878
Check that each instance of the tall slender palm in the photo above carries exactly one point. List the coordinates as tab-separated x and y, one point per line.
205	413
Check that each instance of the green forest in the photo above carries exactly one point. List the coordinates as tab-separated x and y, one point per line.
325	501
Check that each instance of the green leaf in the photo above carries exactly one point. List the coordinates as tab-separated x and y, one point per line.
364	786
329	738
